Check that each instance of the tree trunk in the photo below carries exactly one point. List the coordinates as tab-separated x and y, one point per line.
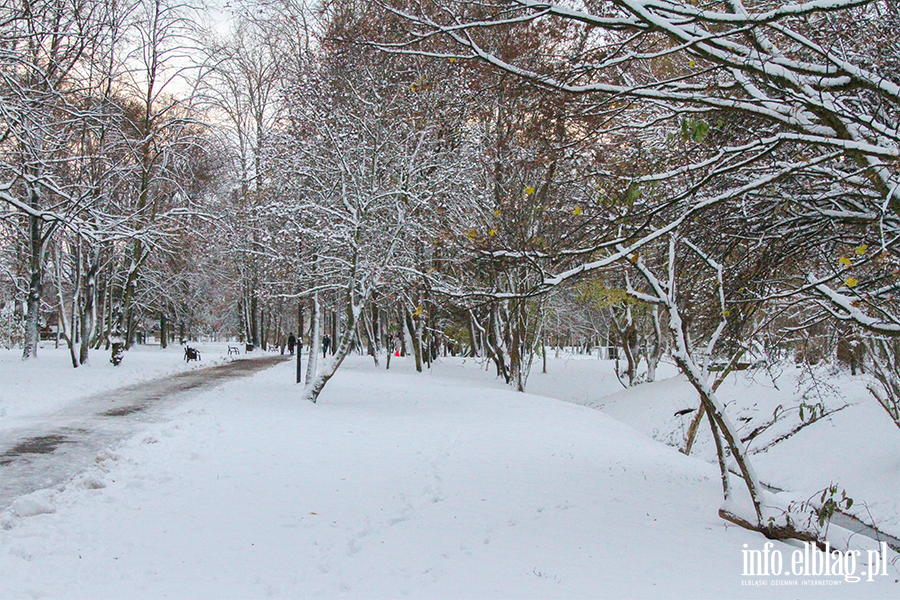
254	320
516	349
89	307
493	343
315	339
473	334
373	351
544	355
65	328
404	349
127	318
35	285
314	387
416	336
336	333
715	410
655	349
106	325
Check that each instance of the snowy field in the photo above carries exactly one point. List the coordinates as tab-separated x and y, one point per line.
439	485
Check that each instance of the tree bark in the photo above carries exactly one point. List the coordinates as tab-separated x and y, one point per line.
35	286
89	307
299	342
416	336
314	387
315	339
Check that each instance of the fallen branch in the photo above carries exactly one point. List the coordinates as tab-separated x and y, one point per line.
773	531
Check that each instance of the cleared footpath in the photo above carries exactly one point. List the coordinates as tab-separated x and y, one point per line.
49	454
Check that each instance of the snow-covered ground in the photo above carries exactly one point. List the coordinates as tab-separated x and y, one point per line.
31	389
856	447
435	485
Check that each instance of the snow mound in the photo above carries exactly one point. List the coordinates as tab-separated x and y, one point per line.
40	502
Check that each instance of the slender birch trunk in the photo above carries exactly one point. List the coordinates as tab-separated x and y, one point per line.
330	366
315	338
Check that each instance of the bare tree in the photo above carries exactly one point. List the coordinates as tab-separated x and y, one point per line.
243	86
165	129
44	45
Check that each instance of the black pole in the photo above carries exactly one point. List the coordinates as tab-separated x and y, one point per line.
299	339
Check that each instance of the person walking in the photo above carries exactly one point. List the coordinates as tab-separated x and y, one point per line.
326	344
292	341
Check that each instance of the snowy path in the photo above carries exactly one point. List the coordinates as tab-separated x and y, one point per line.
394	485
63	443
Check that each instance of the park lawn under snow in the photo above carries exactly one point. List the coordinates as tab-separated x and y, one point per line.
441	485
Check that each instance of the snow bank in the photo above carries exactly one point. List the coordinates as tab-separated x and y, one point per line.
854	446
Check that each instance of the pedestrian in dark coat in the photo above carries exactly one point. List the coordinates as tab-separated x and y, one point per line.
326	344
292	341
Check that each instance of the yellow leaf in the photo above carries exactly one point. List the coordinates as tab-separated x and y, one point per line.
634	257
844	261
726	313
862	249
418	311
472	234
851	282
529	190
692	63
492	232
577	210
497	212
452	59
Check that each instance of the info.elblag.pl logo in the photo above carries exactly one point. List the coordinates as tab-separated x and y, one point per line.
811	562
